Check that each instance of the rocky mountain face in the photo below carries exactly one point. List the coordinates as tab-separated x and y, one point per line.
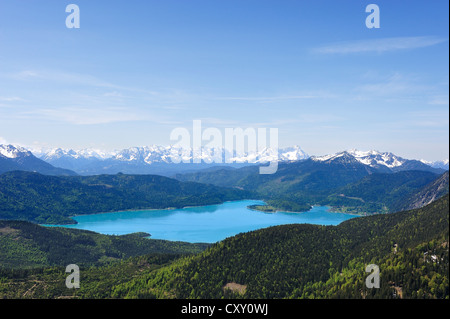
427	194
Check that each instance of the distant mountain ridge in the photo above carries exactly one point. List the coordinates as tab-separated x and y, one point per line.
14	158
444	164
383	161
158	153
155	159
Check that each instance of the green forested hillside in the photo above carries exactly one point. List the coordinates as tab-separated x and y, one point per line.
51	200
308	177
96	282
345	184
309	261
380	192
295	186
26	245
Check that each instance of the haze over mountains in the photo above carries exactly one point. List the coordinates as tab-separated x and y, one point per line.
157	159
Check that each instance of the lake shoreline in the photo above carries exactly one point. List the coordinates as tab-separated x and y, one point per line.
206	224
141	210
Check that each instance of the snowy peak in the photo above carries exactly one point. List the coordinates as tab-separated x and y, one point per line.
382	161
60	153
294	153
16	158
375	158
341	157
145	154
444	164
11	151
371	158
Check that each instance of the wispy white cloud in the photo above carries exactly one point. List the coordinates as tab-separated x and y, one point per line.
82	115
267	98
401	86
380	45
113	94
10	99
84	82
85	116
222	122
437	119
24	75
393	84
439	100
287	96
301	119
61	77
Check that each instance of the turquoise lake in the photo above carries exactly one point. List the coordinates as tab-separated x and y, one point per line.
207	224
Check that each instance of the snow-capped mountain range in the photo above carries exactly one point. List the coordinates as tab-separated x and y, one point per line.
59	153
371	158
155	159
165	154
444	164
383	161
18	158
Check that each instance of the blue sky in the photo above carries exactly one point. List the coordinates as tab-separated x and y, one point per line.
135	70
